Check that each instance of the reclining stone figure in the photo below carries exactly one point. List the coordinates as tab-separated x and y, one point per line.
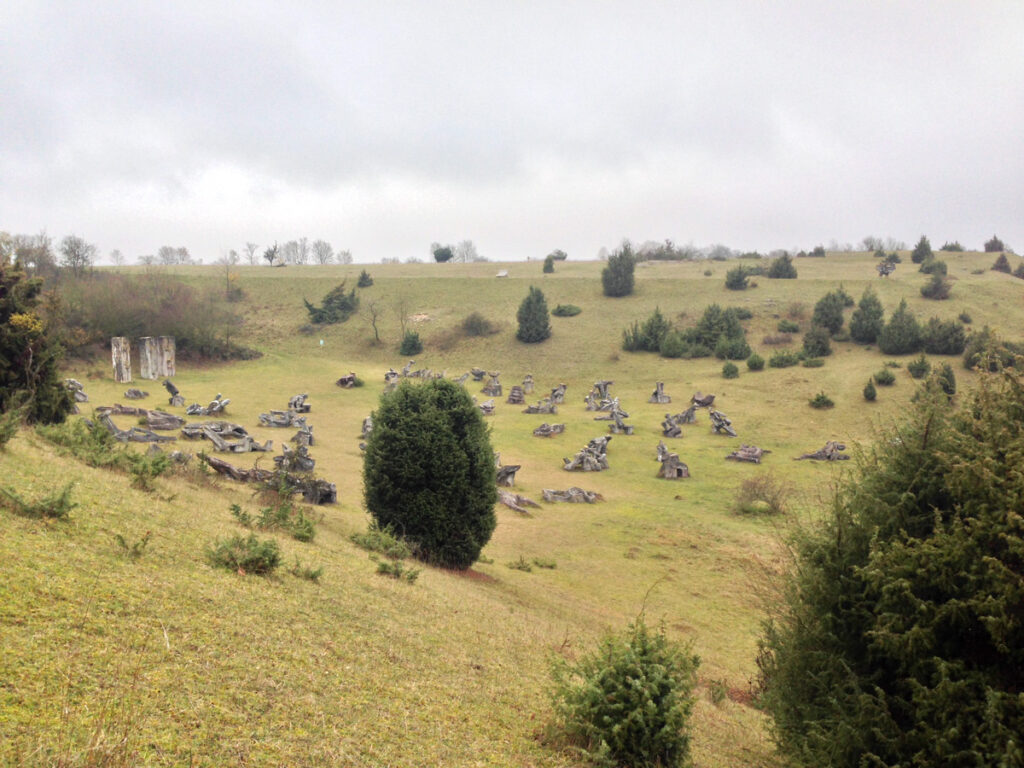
749	453
832	451
549	430
721	425
572	495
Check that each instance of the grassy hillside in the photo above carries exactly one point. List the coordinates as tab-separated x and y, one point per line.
185	664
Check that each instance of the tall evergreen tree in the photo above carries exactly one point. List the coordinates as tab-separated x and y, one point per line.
900	639
617	277
867	319
428	472
922	251
29	354
534	325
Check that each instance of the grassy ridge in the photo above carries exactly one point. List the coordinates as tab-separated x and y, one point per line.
217	668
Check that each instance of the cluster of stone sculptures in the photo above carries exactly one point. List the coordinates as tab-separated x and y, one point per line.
292	466
593	457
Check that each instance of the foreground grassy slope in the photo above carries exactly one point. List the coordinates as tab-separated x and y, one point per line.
215	668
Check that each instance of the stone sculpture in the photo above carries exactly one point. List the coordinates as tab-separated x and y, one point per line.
659	396
749	453
720	424
493	387
702	401
832	451
549	430
572	495
516	396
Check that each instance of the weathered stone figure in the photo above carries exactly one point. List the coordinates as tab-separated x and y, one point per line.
462	379
477	373
74	386
297	460
558	394
832	451
885	268
367	426
407	368
506	475
135	394
516	396
549	430
217	405
702	401
720	424
572	495
749	453
486	407
298	403
493	387
176	398
689	416
669	427
672	468
135	434
528	384
223	429
347	381
304	436
282	419
662	450
592	458
516	501
659	396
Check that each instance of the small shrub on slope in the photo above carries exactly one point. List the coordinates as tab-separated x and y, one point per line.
628	702
245	554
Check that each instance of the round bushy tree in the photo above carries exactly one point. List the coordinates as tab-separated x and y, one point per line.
782	268
549	264
534	325
617	276
866	321
628	702
428	472
828	312
29	354
816	342
900	638
902	334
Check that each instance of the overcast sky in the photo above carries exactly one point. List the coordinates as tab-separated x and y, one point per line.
384	126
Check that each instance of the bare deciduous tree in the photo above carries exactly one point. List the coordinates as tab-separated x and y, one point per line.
116	258
323	252
466	252
401	309
289	252
250	252
345	257
372	311
77	254
302	251
147	260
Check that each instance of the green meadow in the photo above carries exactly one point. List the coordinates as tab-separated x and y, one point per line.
164	660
